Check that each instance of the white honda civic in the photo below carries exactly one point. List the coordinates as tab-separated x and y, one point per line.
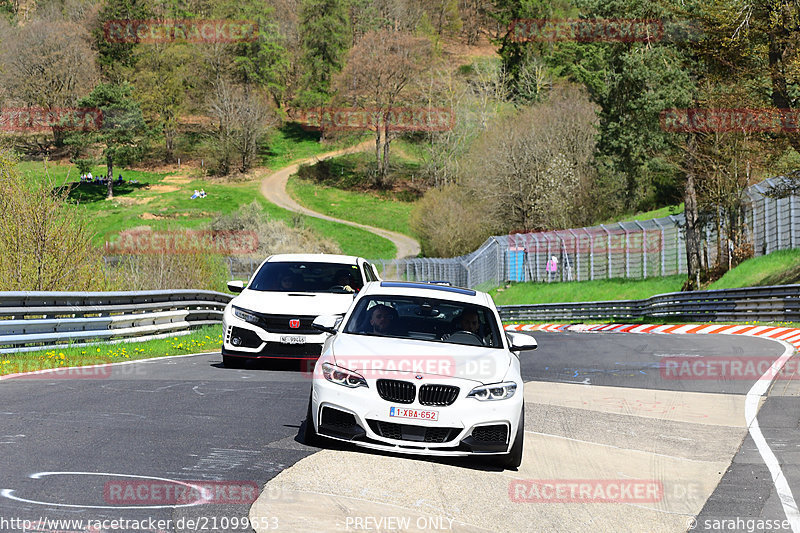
419	368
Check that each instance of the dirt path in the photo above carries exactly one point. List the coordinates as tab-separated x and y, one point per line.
273	187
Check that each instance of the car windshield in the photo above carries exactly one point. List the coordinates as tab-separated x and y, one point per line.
300	276
425	319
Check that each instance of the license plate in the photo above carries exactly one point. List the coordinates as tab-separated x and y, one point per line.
416	414
293	339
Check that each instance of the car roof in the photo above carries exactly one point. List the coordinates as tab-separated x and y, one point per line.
314	258
430	290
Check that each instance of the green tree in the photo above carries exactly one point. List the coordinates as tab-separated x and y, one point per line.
325	38
263	61
115	55
164	79
123	133
514	52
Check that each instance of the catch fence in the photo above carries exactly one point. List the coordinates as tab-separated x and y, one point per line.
635	249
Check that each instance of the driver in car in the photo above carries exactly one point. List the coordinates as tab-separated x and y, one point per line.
344	280
470	322
383	320
287	282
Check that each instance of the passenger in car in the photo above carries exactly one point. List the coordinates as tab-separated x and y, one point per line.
384	320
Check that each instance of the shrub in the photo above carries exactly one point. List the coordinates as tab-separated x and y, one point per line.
450	221
45	244
274	236
164	271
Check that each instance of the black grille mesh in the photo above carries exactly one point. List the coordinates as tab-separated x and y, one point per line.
247	338
498	433
438	394
396	391
410	432
337	418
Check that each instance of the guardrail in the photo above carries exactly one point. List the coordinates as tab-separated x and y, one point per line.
775	303
37	320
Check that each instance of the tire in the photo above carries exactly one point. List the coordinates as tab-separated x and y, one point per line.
232	362
514	458
310	437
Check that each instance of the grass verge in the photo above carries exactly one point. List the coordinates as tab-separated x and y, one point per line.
291	142
162	201
778	268
586	291
205	339
365	208
647	215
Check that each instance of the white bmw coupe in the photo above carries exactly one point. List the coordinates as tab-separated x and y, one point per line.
419	368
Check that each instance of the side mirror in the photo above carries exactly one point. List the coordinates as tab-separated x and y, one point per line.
520	342
327	323
236	286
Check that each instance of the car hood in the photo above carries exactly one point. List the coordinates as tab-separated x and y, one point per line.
376	357
294	303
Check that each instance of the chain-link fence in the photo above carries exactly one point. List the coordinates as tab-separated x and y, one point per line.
637	249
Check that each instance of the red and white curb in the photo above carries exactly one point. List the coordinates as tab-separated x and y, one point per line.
790	335
789	338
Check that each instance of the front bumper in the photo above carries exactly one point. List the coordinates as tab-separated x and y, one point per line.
467	427
244	340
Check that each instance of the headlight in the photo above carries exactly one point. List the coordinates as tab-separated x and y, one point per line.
496	391
245	315
342	376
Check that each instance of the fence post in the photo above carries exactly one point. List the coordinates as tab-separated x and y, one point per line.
792	231
627	251
608	250
765	245
591	253
577	256
536	260
644	248
661	245
677	243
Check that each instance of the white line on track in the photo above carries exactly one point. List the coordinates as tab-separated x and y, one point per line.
750	413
